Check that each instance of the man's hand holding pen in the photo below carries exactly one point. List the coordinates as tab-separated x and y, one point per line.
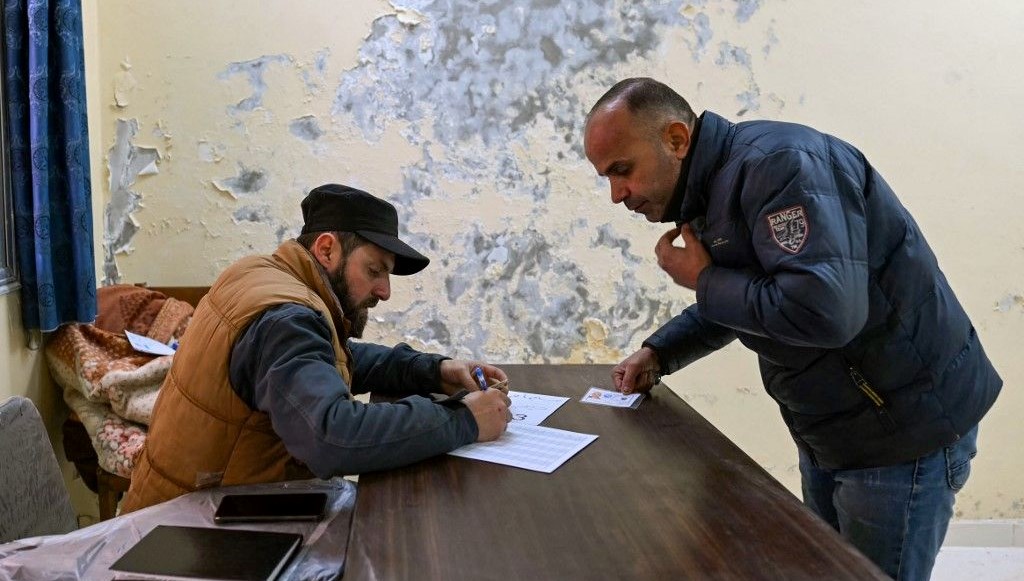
458	374
484	390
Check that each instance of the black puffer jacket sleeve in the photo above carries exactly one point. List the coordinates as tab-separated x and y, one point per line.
686	338
811	289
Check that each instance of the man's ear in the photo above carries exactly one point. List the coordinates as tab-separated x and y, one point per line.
324	249
677	135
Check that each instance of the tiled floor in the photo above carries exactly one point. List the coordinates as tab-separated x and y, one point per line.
982	550
979	564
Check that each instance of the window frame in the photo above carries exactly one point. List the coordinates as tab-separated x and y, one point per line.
8	264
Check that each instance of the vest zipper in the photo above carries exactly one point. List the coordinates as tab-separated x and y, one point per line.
865	387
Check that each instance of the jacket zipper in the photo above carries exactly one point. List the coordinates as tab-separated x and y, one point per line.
865	387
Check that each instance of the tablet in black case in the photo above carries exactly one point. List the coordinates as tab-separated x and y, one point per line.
211	553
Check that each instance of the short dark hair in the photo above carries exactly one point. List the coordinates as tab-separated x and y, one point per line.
653	103
349	240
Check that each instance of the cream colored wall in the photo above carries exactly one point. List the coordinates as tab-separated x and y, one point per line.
216	120
24	369
24	373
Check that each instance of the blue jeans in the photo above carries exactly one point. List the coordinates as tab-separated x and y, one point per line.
896	515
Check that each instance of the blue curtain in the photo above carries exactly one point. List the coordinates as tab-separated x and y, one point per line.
49	155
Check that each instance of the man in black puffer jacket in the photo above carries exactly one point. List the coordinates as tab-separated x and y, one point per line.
797	247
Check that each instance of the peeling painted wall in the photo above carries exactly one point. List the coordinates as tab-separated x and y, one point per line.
468	117
126	163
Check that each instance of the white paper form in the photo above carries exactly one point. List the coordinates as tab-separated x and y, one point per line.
533	408
147	345
534	448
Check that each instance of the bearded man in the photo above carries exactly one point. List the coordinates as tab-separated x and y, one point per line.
261	386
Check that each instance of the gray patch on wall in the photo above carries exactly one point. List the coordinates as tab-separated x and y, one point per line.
252	214
749	101
542	297
437	332
434	333
730	55
126	162
253	71
606	237
771	41
702	36
248	181
285	233
478	77
1008	302
315	82
745	9
478	62
635	313
306	128
208	152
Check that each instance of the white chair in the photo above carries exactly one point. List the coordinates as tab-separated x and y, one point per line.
33	498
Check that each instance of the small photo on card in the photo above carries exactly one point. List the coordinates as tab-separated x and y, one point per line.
596	395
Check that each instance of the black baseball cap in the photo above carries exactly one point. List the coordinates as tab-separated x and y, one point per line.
334	208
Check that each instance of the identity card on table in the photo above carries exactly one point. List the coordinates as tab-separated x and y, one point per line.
600	396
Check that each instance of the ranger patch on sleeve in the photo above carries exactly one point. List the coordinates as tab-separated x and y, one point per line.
789	228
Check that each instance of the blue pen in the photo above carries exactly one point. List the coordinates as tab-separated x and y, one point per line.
479	373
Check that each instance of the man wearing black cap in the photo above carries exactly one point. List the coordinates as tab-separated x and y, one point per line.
261	386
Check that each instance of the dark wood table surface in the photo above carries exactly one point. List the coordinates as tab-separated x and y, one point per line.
661	494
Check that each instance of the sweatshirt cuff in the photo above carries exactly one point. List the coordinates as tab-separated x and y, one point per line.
468	430
655	343
426	369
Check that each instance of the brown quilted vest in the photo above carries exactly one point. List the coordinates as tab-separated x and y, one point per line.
202	433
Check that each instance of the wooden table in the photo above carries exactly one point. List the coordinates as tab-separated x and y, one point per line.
661	494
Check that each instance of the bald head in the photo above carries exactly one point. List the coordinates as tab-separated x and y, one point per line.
652	104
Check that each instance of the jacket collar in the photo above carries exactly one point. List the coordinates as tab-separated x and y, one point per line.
711	139
297	260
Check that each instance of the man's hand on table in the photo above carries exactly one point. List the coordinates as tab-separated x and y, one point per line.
490	410
637	373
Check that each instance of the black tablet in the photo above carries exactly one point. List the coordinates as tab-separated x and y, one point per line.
210	553
271	507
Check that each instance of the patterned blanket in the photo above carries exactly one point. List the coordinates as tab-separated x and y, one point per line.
109	385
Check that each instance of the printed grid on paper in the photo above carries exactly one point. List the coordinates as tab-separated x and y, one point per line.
531	447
